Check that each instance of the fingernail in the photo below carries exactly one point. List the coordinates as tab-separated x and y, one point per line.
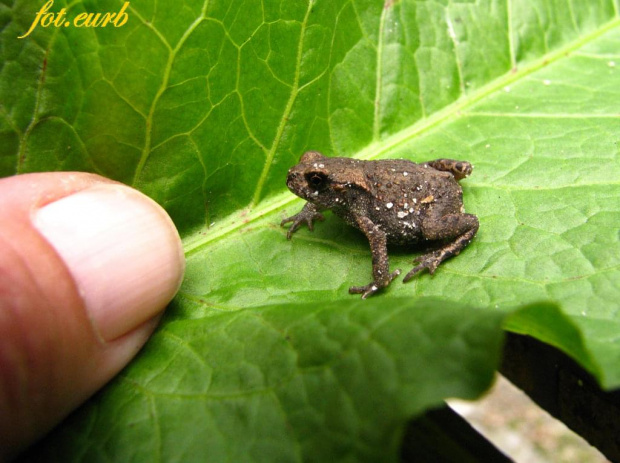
121	248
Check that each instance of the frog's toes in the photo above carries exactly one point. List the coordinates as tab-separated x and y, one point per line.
372	287
299	219
430	262
293	228
365	291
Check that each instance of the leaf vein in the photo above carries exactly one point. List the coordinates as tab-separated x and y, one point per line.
287	111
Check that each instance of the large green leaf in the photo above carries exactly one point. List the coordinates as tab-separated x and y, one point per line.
286	382
205	105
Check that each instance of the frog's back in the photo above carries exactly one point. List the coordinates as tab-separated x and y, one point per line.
404	194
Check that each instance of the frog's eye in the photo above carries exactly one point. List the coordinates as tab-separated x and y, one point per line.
317	180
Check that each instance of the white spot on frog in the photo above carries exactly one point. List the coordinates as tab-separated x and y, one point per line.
389	205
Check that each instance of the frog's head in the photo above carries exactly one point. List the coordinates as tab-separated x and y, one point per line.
310	177
325	181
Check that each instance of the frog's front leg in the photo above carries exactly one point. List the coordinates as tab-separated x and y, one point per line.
461	227
307	215
380	262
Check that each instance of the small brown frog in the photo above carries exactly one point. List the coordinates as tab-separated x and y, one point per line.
392	201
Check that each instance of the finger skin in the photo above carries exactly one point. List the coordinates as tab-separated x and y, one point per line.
51	358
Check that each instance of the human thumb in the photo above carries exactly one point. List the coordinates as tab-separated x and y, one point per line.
86	267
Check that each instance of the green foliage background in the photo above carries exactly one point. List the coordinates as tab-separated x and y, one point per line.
205	105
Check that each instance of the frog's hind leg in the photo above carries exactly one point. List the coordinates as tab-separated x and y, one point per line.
460	169
462	227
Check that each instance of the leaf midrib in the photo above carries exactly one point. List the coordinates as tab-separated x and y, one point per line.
246	216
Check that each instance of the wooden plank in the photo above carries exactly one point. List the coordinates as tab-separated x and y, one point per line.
565	390
443	436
